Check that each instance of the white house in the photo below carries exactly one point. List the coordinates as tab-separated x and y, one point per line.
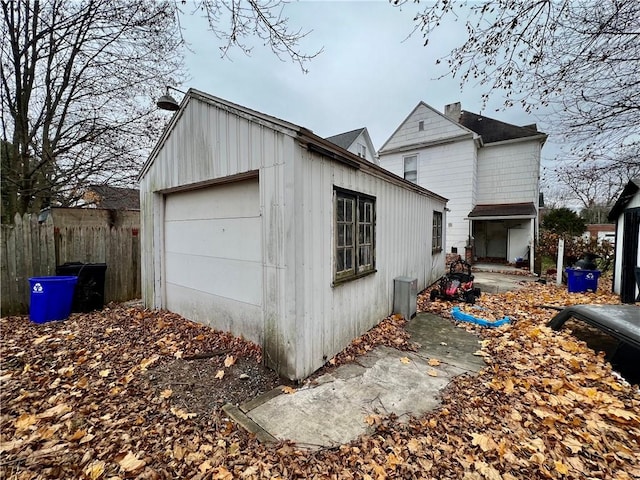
626	214
356	141
256	226
488	169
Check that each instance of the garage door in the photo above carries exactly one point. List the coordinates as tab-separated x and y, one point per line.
213	256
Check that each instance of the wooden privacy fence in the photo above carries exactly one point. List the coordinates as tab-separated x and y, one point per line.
32	249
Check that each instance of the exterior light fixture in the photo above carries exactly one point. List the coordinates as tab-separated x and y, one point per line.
167	102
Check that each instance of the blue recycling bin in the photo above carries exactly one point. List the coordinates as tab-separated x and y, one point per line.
579	280
51	298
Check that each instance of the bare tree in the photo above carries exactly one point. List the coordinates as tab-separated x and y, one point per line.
261	19
596	184
79	81
580	57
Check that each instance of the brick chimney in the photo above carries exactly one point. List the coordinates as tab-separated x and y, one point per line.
453	111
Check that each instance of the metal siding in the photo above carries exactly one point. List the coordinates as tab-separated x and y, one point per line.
328	317
208	143
305	317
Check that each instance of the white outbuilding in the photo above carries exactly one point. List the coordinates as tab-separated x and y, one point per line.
626	215
258	227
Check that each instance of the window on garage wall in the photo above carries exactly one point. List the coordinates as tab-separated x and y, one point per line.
355	215
436	241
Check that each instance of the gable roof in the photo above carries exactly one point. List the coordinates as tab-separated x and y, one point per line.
492	130
303	135
345	140
114	198
464	131
625	197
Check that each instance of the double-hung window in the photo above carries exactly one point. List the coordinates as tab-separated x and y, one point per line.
362	151
411	168
436	242
355	234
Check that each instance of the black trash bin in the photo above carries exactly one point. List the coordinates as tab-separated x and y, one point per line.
89	291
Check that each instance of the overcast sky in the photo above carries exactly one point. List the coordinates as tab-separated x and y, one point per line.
370	73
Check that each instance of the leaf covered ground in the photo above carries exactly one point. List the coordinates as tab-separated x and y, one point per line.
113	394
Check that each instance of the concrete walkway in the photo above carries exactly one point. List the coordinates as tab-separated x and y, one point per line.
495	282
341	405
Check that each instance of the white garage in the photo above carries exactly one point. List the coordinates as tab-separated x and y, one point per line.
213	257
258	227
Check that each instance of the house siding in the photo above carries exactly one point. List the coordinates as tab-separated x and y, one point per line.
363	140
450	170
509	173
436	128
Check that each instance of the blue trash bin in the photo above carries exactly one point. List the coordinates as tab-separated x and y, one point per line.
51	298
579	280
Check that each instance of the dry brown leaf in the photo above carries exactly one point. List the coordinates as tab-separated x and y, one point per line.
561	468
222	474
205	466
77	435
41	339
572	444
621	414
148	361
249	472
219	374
431	372
95	469
25	420
166	393
373	419
414	446
55	411
485	442
405	360
131	463
182	414
105	372
487	471
434	362
230	360
288	390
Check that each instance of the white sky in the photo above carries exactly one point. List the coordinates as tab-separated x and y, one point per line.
369	74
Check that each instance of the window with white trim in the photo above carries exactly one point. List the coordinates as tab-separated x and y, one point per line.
362	151
411	168
355	234
436	241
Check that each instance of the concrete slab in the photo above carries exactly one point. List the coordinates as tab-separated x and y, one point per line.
494	282
337	408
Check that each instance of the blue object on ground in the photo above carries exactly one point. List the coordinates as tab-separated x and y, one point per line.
51	298
465	317
579	280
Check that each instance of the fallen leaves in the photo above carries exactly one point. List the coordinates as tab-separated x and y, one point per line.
130	463
389	332
182	414
546	406
229	360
